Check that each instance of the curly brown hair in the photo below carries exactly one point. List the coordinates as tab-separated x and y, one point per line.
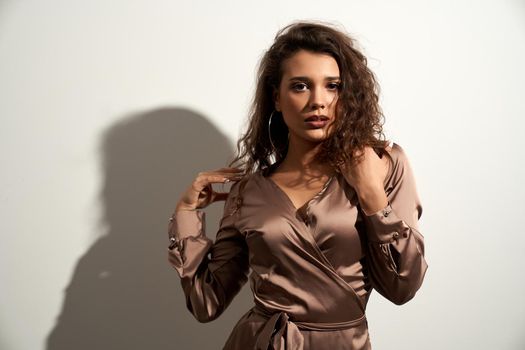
358	120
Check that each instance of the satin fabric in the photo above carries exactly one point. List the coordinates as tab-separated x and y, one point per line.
311	269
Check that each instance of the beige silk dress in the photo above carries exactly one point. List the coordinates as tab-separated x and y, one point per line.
311	269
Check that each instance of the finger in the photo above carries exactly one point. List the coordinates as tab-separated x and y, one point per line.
230	177
227	170
215	178
206	191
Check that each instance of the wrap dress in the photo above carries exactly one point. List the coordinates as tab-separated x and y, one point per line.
311	269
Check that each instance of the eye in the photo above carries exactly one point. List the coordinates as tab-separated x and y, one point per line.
333	86
297	87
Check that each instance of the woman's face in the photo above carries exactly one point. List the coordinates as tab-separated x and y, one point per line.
309	87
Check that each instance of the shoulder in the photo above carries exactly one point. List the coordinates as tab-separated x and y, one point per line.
397	152
240	192
238	188
400	164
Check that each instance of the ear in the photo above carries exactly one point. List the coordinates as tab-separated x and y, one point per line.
276	100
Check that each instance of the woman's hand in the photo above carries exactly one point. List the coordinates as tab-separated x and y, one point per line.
367	178
200	193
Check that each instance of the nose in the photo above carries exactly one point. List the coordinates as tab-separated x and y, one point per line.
318	99
316	105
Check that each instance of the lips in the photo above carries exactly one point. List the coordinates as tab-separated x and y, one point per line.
313	118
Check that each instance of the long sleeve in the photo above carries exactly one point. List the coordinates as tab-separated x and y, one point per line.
395	245
211	273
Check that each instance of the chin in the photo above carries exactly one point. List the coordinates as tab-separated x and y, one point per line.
316	138
319	134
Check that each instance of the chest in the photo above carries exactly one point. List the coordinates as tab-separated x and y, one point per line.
322	225
299	190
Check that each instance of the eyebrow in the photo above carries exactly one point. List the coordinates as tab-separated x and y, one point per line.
308	79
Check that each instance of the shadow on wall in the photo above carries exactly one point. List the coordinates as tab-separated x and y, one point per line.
124	294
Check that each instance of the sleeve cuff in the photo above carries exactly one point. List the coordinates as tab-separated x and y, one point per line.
384	226
188	223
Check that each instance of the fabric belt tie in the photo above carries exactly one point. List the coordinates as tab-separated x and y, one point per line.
280	333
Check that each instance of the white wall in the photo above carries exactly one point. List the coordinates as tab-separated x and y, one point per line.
109	108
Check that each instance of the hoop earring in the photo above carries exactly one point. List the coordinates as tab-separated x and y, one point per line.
270	131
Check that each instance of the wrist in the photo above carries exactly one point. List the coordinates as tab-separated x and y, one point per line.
369	191
372	199
181	207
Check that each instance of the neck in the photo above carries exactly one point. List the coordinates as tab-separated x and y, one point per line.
300	158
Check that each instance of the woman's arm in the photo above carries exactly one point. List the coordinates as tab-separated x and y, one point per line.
211	273
395	245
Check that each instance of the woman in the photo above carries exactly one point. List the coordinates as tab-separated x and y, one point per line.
321	210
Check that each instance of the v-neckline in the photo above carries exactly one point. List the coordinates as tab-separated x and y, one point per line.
287	198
